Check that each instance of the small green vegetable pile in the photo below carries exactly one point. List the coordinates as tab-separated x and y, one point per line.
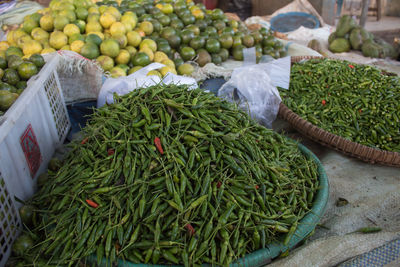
173	176
357	102
349	35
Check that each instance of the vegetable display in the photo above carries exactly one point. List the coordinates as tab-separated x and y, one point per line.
357	102
167	175
124	36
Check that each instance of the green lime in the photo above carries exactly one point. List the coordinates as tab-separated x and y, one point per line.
178	61
188	19
14	61
257	37
38	60
157	27
26	214
210	30
93	38
22	244
164	47
140	59
29	25
226	40
6	87
238	52
187	53
3	63
228	30
174	41
168	32
219	24
81	13
248	40
13	50
213	46
81	25
236	41
11	76
216	59
21	85
217	14
90	50
164	20
197	42
27	70
187	36
224	54
201	24
194	29
177	24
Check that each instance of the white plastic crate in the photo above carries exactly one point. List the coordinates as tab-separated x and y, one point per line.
30	131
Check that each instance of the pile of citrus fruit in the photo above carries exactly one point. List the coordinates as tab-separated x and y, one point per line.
124	36
14	73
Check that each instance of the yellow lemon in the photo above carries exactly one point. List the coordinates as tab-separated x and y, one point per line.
122	40
71	29
164	70
39	34
123	57
4	45
117	29
93	27
58	40
134	38
32	47
159	56
48	50
77	45
149	43
107	19
47	23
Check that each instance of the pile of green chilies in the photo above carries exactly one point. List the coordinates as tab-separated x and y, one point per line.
167	175
357	102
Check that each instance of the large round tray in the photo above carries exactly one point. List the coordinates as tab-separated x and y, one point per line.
264	256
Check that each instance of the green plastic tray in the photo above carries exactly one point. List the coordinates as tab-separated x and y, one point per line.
264	256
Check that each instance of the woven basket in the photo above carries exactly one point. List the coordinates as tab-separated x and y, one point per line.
364	153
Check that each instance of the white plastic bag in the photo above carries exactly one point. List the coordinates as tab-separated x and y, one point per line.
138	79
253	87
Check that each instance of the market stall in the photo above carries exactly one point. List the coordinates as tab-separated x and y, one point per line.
160	132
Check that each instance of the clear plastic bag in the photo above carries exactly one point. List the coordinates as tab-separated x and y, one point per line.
253	88
138	79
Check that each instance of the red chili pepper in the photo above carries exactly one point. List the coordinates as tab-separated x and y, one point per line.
84	141
256	187
92	203
323	102
360	110
110	151
257	141
351	66
157	142
190	228
219	184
